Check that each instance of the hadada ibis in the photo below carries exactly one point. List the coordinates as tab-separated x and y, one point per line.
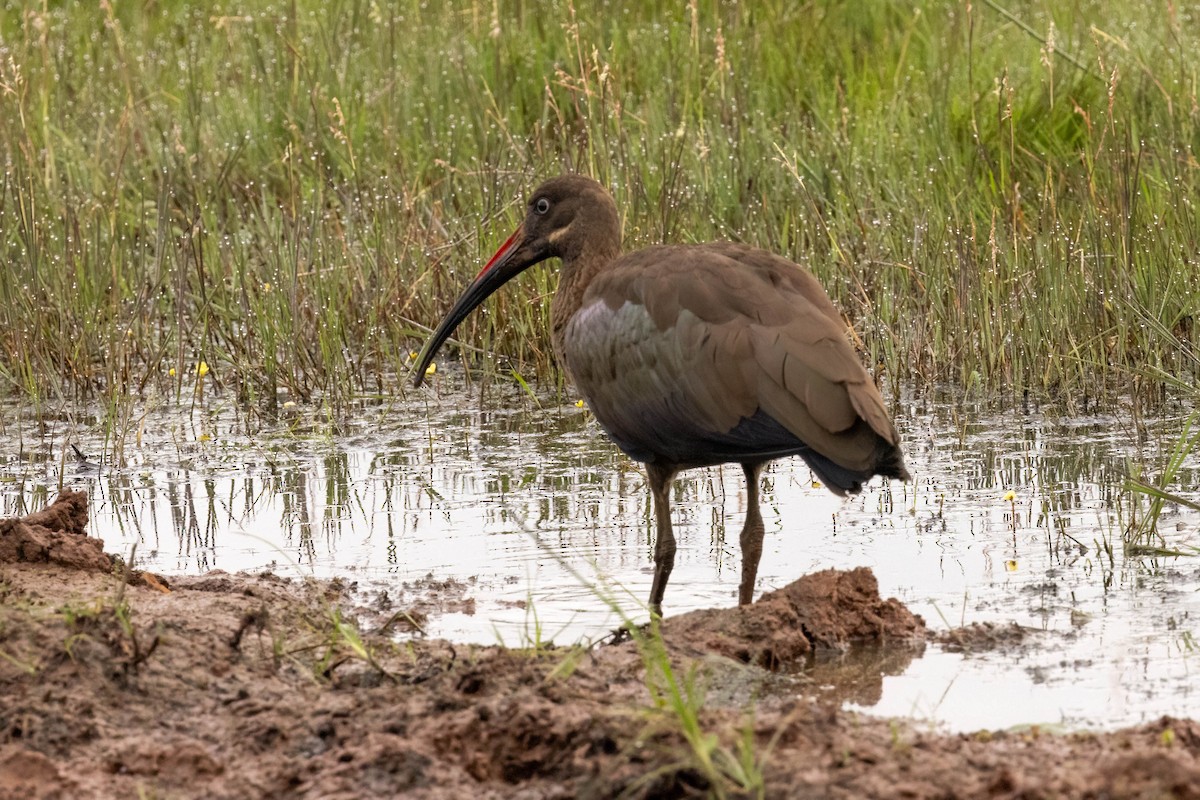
695	355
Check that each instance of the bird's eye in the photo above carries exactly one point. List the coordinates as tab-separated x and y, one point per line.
541	206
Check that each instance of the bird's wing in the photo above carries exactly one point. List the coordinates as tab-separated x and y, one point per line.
722	352
647	387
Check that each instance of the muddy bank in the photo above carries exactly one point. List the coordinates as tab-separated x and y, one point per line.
114	684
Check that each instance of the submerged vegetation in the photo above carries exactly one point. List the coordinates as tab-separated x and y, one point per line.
280	195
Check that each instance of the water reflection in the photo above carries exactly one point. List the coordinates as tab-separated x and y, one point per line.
515	498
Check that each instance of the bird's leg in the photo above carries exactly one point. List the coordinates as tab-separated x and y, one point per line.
752	534
661	477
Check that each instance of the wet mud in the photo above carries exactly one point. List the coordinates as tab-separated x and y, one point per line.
119	684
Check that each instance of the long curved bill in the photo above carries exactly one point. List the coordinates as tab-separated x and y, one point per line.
499	269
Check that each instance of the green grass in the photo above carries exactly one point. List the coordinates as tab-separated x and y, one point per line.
1141	535
677	707
1000	196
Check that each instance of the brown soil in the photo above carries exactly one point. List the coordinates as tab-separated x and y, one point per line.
246	686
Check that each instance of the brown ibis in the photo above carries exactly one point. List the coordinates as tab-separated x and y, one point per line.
694	355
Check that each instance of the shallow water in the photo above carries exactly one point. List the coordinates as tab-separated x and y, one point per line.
528	506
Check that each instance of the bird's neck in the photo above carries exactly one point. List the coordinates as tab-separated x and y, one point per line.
576	275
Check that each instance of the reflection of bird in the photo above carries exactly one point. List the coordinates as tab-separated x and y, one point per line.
695	355
82	465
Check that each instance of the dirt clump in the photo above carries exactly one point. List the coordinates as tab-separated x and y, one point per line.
255	686
55	535
406	608
829	610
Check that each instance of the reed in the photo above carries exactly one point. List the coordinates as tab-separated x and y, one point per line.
999	195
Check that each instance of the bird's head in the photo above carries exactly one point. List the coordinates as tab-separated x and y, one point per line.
564	217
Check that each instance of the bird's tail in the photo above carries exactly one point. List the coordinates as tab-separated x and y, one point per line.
889	463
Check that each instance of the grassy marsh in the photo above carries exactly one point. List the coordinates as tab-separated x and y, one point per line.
999	195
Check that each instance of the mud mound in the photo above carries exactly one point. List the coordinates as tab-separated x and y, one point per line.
54	535
827	610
